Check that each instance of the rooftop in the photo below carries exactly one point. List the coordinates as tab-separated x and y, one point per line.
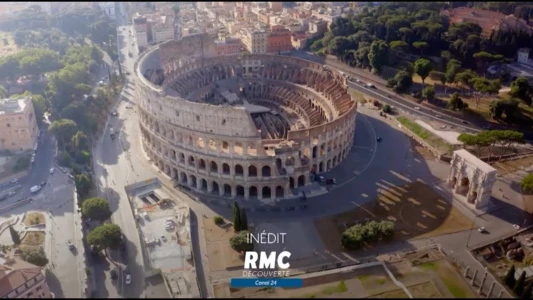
14	272
13	106
471	158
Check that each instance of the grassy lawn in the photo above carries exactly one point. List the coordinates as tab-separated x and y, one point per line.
330	290
33	239
426	135
34	218
455	285
399	293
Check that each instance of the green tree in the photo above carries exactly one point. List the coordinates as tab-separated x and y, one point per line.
401	82
105	236
63	129
527	183
386	109
505	138
96	209
39	108
83	184
3	92
428	93
509	279
456	103
15	237
35	256
399	46
422	68
378	55
485	86
239	242
518	288
80	141
237	224
528	291
244	220
521	89
421	46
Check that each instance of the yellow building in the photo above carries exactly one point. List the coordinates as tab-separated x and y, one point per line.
18	125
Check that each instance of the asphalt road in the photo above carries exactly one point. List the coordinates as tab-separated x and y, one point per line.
113	172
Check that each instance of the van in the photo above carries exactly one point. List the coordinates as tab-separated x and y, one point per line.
145	215
35	189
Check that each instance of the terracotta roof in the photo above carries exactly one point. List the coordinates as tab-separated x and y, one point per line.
16	278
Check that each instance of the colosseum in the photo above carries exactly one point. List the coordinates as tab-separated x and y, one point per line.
250	126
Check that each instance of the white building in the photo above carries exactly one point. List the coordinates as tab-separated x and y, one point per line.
162	32
255	41
108	8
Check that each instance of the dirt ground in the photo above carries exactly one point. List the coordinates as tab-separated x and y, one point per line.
415	208
34	218
221	256
512	166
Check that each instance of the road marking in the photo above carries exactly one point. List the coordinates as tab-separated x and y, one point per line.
364	148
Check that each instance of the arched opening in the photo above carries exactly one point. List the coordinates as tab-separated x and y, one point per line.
183	178
214	167
464	185
225	168
328	164
239	171
322	149
314	169
279	192
193	181
240	191
203	185
278	163
182	157
289	161
215	188
252	171
321	167
307	152
453	182
176	174
253	191
301	180
227	190
266	192
191	161
225	146
265	171
315	150
202	164
291	182
334	161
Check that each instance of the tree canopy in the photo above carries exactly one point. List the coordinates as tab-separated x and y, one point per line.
96	209
105	236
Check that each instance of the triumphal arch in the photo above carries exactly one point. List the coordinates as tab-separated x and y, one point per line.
471	179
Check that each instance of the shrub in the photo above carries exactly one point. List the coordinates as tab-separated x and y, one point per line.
238	242
355	236
218	220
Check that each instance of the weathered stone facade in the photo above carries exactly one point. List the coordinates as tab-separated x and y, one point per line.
472	178
191	132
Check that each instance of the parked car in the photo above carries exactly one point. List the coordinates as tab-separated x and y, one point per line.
114	274
378	139
128	279
12	193
52	170
331	181
43	184
35	189
70	245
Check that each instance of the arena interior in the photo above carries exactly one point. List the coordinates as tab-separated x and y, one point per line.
254	126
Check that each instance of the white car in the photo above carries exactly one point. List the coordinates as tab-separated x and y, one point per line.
169	226
52	170
481	229
417	108
517	227
12	193
128	279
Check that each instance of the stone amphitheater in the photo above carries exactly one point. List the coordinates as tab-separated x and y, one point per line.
249	126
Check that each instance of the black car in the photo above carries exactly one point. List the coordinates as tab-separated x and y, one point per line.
378	139
43	184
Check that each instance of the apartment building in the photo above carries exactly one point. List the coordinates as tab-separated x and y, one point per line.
20	279
140	30
275	6
108	8
486	19
255	41
317	26
229	46
162	29
19	127
279	40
